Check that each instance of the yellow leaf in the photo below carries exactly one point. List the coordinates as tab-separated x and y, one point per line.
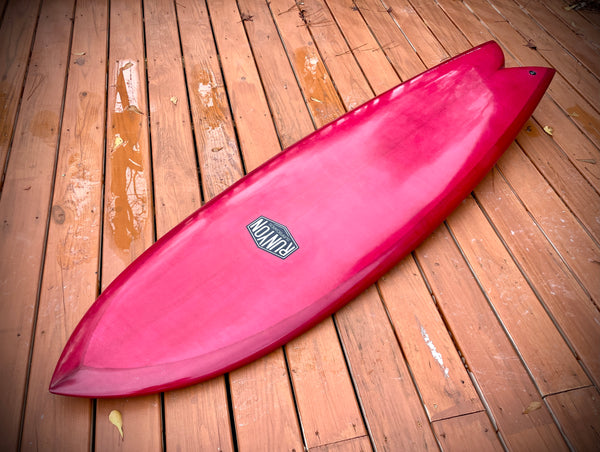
117	420
174	100
118	141
549	130
533	406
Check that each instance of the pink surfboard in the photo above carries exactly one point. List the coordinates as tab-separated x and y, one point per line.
300	236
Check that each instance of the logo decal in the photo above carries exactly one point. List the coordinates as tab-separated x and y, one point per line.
272	237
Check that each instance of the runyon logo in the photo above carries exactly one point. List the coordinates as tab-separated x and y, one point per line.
272	237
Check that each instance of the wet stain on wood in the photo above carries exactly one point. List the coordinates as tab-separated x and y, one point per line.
127	203
219	163
318	89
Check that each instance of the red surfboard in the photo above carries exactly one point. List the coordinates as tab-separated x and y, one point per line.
303	234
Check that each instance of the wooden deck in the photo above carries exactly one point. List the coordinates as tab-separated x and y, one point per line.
118	120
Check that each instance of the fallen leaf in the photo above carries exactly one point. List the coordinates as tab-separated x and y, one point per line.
574	114
134	109
127	66
174	100
79	53
592	161
533	406
118	141
549	130
314	99
116	419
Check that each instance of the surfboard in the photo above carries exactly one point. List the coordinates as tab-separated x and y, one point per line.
303	234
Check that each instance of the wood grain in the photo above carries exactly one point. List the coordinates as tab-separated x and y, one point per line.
25	207
16	36
128	208
490	357
472	431
70	277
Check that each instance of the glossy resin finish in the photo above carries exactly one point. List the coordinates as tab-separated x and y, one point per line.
303	234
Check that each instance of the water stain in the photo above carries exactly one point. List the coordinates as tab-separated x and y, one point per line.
219	156
44	125
318	88
587	121
127	203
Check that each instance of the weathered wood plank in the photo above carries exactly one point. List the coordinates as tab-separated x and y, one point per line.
290	113
24	208
553	366
403	57
336	55
16	35
489	355
393	411
379	73
586	53
435	364
416	31
256	132
321	96
70	277
177	195
581	110
128	209
469	432
360	444
218	154
316	360
260	391
264	411
579	413
561	293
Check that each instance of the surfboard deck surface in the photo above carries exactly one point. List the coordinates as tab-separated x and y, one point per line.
303	234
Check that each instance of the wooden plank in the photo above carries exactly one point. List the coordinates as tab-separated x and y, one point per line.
435	364
128	213
576	145
579	77
360	444
570	306
586	53
401	54
583	28
336	55
256	132
262	389
579	414
218	153
563	229
290	113
316	359
16	36
321	96
503	380
472	431
176	192
373	62
70	279
565	179
441	26
317	365
265	415
567	96
416	31
392	408
553	367
24	208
